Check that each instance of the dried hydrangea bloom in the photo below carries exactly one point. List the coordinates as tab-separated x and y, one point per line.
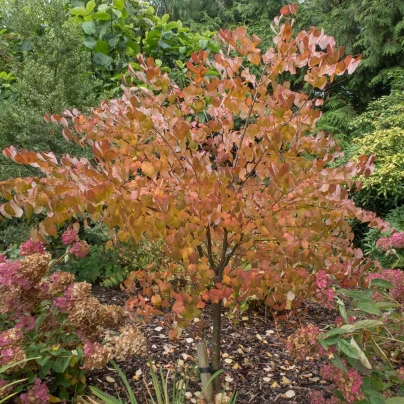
80	249
35	266
304	342
10	298
32	247
69	236
59	282
38	394
96	356
112	315
129	342
11	350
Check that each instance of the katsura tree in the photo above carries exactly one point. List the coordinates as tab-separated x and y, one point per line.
224	171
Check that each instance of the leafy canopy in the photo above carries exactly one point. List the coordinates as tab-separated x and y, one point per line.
223	170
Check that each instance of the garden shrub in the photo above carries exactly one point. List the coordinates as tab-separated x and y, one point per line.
364	345
50	317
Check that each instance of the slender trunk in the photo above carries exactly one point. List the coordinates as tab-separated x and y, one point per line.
215	355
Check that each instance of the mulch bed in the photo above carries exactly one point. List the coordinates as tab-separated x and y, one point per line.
256	363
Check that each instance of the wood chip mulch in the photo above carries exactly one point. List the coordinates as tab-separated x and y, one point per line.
256	363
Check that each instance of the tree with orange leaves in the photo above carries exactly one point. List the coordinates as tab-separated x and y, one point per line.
225	171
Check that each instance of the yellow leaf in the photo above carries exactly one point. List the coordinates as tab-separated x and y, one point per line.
53	399
285	380
274	384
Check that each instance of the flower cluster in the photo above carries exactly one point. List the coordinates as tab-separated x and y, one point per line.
323	280
324	294
304	342
129	342
11	350
316	397
2	258
96	356
396	278
26	289
396	240
31	247
80	249
39	393
69	236
348	383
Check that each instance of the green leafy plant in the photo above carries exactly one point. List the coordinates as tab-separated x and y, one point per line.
366	346
58	322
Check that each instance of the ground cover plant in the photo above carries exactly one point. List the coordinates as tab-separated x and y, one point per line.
223	170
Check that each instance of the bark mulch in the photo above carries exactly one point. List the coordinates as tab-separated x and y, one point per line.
257	365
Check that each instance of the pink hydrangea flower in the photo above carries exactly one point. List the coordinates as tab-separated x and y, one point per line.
69	236
32	247
395	277
323	280
10	275
2	258
396	240
25	323
349	384
39	393
80	249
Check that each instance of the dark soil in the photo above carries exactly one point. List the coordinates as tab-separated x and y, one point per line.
256	363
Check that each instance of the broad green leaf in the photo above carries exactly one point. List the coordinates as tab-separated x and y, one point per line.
342	311
336	361
102	47
164	45
90	42
335	331
366	324
102	59
88	27
80	11
381	283
348	349
134	46
387	305
165	18
114	40
26	45
153	37
357	294
170	25
103	16
373	396
368	307
362	356
119	4
90	6
395	400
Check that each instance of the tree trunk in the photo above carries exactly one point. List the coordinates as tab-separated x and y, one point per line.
215	355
